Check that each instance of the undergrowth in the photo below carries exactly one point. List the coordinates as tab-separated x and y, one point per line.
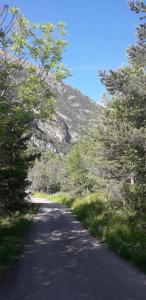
13	231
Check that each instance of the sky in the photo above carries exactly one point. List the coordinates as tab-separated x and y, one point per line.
99	32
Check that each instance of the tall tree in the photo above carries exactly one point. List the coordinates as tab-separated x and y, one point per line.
29	53
123	132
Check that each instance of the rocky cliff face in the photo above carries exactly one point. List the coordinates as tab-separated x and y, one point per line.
72	118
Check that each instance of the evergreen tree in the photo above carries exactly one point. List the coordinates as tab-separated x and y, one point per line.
123	130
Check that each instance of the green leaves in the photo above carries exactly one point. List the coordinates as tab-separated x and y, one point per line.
31	56
123	130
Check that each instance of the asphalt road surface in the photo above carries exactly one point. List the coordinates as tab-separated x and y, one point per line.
61	261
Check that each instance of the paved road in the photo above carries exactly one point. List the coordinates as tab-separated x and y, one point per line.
61	261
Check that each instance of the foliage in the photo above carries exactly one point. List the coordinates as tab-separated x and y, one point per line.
46	174
24	95
13	230
81	169
123	129
75	173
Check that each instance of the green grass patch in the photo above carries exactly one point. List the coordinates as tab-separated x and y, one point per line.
121	229
13	232
61	198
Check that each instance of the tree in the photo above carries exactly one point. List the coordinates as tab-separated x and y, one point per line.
46	174
30	54
78	178
123	130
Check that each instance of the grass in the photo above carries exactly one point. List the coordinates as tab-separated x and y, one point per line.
121	229
61	198
13	232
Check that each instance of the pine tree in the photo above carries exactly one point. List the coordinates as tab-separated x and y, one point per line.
123	133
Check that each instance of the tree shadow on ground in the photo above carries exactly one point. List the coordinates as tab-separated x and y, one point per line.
61	261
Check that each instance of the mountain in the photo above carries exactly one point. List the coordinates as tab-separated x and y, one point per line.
72	118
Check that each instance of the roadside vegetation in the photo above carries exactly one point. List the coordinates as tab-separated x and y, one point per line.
13	233
121	229
28	54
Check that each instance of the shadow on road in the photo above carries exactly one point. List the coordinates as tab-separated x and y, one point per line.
61	261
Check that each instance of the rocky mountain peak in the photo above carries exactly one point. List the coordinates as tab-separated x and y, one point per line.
72	117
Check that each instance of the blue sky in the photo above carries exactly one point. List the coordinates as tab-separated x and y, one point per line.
98	34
